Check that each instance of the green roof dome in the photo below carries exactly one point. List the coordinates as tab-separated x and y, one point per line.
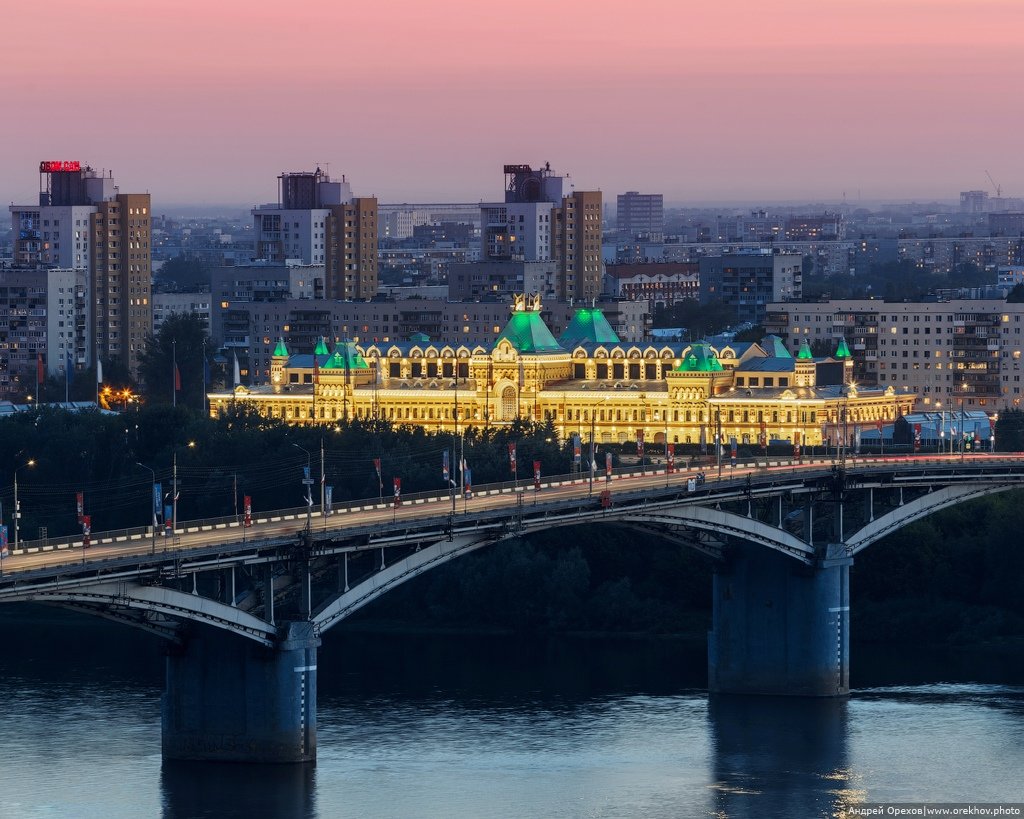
346	357
805	353
589	324
321	347
700	359
527	332
280	349
842	351
774	347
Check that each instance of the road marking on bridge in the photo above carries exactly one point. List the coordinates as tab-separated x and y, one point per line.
300	668
840	608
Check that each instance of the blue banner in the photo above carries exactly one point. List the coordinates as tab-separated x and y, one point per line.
328	499
732	450
158	493
444	465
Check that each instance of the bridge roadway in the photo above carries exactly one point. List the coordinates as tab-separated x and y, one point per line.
380	524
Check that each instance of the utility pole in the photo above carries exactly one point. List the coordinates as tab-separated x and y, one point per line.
323	482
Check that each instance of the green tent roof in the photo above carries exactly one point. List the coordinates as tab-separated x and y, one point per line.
805	350
842	351
774	347
700	359
321	347
280	349
589	324
346	357
527	332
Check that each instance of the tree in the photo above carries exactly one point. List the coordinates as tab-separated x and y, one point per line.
179	343
1016	296
185	274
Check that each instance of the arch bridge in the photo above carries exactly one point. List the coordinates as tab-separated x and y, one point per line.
243	609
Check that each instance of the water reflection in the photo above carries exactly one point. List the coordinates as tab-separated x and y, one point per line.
194	790
778	756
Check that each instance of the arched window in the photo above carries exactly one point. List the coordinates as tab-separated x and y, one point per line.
509	404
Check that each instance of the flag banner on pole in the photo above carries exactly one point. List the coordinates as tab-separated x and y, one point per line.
639	443
380	479
328	499
177	379
764	436
86	529
238	371
512	458
796	444
732	449
468	489
917	437
247	509
536	474
670	459
703	440
206	371
69	369
168	516
158	493
305	474
40	373
99	371
398	490
445	471
80	504
856	439
607	466
576	452
3	542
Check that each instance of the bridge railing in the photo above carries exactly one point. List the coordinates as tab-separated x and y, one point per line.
524	486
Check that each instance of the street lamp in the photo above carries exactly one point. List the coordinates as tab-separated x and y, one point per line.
17	506
152	502
307	481
174	488
593	453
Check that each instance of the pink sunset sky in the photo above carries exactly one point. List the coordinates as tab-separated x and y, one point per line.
729	100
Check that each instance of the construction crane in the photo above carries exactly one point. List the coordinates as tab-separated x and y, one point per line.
999	189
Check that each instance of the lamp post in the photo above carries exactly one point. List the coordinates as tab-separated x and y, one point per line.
174	488
152	502
307	481
593	452
17	505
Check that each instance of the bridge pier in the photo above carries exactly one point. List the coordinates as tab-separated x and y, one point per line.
781	626
229	699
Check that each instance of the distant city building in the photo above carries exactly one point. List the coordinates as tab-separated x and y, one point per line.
44	315
538	222
663	284
973	202
829	227
946	352
1009	276
1006	224
166	305
751	281
319	221
398	221
84	222
493	279
640	215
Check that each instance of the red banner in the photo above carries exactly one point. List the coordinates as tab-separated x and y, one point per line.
247	508
80	504
512	458
670	459
796	444
86	529
917	437
640	443
536	474
398	491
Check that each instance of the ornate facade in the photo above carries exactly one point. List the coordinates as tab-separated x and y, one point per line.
585	382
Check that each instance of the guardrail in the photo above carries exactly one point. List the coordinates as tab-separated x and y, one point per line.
142	534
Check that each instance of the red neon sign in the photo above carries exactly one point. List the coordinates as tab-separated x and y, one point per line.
58	166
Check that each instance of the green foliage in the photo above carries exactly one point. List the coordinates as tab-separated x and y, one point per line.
184	274
1010	431
181	339
893	281
1016	296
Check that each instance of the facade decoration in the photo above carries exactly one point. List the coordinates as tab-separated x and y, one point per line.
585	382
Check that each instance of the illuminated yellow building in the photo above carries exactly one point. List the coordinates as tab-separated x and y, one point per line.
585	381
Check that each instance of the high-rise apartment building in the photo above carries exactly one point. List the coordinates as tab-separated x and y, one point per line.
537	222
318	221
640	215
84	222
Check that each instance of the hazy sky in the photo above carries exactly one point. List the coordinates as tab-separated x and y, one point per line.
425	100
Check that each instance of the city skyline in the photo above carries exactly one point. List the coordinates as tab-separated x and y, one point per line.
875	100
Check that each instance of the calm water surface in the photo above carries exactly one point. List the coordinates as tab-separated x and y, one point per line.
499	727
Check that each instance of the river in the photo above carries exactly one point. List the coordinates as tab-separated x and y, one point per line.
457	725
